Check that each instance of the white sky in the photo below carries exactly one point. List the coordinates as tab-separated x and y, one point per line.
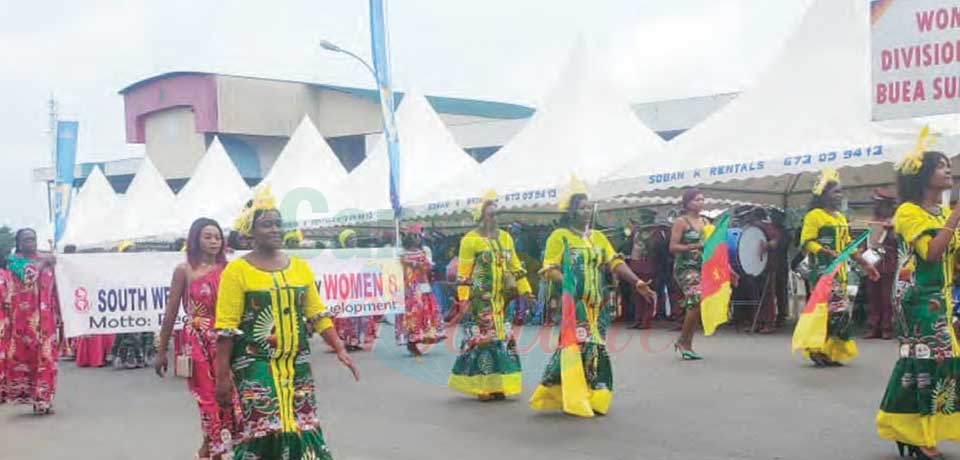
508	50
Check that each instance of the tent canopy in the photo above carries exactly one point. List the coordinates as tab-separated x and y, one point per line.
215	190
90	209
810	110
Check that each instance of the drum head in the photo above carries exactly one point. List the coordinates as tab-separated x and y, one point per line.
753	259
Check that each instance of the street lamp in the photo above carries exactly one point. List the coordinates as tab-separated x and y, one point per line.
330	46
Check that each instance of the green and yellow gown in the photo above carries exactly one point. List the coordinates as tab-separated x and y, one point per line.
919	406
830	230
271	315
588	258
488	271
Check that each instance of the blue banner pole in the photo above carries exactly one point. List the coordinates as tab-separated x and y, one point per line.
380	47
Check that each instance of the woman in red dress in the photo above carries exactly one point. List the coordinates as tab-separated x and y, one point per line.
31	361
195	284
421	322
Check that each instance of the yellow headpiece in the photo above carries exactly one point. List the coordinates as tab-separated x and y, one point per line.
344	236
124	246
827	176
262	201
490	196
911	163
576	187
296	235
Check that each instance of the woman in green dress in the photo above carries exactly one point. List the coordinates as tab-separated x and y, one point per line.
488	272
268	306
919	409
577	255
824	235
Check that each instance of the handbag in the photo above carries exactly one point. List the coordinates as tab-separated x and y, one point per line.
183	367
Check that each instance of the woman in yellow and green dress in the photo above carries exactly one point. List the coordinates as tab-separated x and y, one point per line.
824	235
267	309
488	272
577	255
919	407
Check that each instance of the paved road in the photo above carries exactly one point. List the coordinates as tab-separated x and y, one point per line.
748	400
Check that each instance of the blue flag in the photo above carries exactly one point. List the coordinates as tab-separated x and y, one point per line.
66	156
380	48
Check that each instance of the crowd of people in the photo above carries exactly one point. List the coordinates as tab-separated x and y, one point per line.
244	346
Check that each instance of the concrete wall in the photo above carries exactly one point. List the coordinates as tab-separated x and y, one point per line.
173	143
263	107
341	114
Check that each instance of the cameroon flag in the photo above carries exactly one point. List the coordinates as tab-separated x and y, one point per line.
715	278
573	380
811	328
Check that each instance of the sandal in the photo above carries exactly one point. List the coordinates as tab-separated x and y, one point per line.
686	355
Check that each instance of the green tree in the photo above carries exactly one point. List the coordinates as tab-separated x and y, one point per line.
6	240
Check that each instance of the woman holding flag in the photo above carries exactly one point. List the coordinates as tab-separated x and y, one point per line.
578	378
824	236
488	273
919	406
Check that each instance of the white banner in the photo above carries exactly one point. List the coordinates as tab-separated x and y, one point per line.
915	57
121	293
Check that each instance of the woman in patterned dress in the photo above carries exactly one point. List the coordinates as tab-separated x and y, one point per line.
824	235
5	311
488	273
267	309
919	406
581	255
34	318
195	284
687	236
421	322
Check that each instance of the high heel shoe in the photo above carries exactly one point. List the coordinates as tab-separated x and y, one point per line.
916	452
686	355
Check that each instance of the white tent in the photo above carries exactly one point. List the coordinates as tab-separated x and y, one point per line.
145	210
810	110
582	128
89	210
429	156
215	190
306	164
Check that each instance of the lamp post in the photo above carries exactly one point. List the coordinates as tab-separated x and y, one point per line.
332	47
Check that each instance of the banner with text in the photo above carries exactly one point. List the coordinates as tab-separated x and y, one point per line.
915	57
121	293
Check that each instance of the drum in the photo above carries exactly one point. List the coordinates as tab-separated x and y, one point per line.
746	246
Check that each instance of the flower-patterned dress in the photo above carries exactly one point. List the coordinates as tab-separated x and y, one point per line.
219	424
422	321
829	230
589	258
5	286
920	403
33	347
687	265
488	363
271	315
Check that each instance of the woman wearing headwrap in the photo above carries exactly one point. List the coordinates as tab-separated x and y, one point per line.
267	309
577	255
919	407
422	321
34	316
353	330
488	274
824	235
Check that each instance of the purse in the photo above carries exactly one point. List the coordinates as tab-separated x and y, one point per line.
183	367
